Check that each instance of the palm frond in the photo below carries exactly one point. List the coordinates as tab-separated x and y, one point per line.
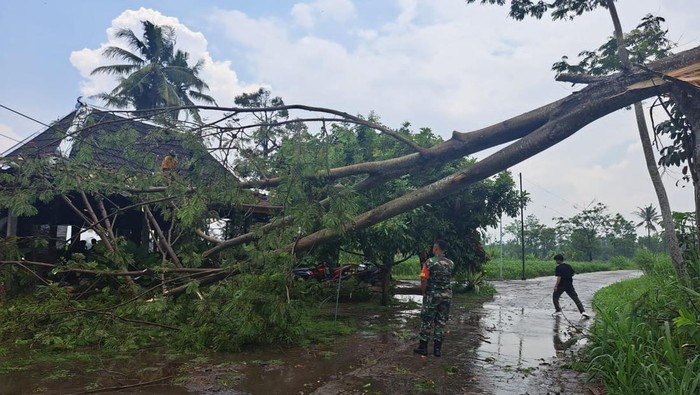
117	69
131	39
201	97
121	53
113	101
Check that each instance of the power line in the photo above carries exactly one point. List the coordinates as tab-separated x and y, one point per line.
9	137
552	193
556	211
573	205
23	115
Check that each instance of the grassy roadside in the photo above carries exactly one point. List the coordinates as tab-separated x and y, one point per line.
646	338
512	269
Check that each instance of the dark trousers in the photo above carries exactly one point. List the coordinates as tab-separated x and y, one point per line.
434	315
572	294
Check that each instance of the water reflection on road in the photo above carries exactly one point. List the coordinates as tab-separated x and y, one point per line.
522	338
508	346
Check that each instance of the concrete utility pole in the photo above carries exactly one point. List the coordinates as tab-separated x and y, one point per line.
522	224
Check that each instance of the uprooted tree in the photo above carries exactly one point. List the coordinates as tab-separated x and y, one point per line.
312	199
646	43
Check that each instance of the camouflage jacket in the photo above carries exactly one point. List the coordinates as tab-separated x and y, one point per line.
440	269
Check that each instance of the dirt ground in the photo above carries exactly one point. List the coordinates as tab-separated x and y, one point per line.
511	345
508	345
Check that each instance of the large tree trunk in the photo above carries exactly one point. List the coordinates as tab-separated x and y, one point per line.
537	130
387	265
687	97
661	196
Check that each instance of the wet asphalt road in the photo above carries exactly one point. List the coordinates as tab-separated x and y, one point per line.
511	345
519	354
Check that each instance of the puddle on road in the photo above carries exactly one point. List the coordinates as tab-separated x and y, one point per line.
525	338
413	305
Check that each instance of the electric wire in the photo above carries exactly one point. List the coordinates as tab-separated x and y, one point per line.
23	115
10	138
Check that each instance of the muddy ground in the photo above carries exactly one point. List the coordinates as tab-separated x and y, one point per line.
508	345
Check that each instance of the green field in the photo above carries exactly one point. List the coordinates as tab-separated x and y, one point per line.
512	269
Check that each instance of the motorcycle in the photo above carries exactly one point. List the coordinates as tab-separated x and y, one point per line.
323	272
305	273
369	273
342	272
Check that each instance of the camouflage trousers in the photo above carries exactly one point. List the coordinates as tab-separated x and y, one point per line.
434	315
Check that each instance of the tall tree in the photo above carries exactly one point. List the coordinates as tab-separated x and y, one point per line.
648	42
540	240
258	135
621	238
649	218
154	74
587	228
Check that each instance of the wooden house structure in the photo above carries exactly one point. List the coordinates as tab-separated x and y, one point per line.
106	141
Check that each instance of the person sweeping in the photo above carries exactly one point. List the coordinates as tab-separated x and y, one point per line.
565	283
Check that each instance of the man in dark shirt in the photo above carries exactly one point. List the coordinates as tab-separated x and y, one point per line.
565	283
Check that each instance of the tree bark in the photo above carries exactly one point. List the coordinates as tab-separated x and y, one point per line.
387	265
687	97
661	196
534	131
537	130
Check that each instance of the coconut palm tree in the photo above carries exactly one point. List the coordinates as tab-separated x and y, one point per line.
649	218
154	74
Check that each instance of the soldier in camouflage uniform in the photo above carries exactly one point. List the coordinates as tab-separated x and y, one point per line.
437	294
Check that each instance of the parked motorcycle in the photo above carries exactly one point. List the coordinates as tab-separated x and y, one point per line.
369	272
318	273
323	272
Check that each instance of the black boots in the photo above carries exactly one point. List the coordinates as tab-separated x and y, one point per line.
437	347
422	348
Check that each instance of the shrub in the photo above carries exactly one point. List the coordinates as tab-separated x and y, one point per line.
640	340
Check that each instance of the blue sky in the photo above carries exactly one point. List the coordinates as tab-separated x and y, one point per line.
439	64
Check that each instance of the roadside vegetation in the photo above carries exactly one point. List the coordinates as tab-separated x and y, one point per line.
56	327
512	269
646	338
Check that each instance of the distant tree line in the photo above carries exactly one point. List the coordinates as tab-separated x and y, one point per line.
593	233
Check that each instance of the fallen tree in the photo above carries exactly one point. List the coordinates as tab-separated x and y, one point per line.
184	204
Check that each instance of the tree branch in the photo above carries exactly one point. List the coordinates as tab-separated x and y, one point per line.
579	78
162	241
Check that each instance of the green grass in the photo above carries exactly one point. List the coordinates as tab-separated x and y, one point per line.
408	270
513	268
640	342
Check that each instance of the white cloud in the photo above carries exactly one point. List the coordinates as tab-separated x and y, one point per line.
303	15
408	12
367	34
308	14
256	33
